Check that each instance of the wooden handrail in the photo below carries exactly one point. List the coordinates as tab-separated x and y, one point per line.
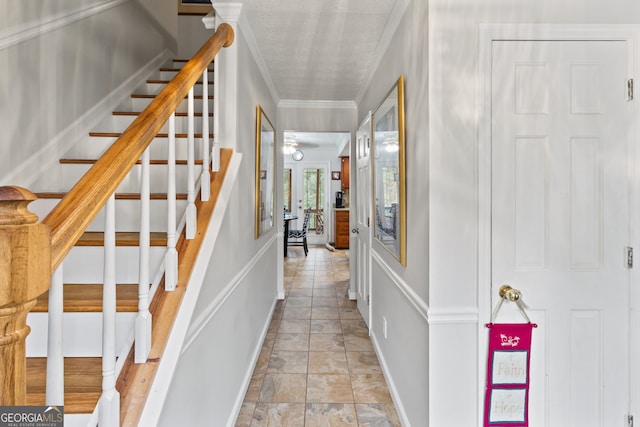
71	217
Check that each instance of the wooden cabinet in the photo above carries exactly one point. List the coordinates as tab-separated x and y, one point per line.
344	174
342	229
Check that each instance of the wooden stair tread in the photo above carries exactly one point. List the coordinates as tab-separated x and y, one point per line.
137	113
160	135
126	238
87	298
150	96
119	196
158	81
177	69
82	383
153	162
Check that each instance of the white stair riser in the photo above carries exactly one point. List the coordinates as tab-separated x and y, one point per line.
180	64
96	145
120	123
139	104
84	264
168	75
127	214
82	333
131	184
155	88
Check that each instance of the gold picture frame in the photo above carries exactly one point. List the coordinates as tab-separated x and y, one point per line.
389	171
194	7
265	173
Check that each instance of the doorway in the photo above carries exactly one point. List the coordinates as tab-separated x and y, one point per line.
306	188
560	162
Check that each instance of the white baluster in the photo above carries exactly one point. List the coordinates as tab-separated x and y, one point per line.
171	258
215	147
109	405
205	177
191	173
143	319
55	357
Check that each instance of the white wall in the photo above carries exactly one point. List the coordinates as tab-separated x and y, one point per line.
458	310
213	372
400	294
57	61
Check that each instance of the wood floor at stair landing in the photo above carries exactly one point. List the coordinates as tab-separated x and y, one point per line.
82	378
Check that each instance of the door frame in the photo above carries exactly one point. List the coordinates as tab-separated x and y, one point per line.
366	128
549	32
328	220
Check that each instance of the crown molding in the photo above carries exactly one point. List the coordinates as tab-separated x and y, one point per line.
390	29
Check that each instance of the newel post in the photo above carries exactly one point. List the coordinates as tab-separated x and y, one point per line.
25	273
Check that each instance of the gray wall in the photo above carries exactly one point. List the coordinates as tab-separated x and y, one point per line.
400	293
209	380
51	77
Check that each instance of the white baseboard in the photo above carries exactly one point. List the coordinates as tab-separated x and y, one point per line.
402	414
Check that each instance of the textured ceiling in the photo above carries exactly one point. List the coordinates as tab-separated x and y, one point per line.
317	49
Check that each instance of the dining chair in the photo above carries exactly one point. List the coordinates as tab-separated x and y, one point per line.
301	234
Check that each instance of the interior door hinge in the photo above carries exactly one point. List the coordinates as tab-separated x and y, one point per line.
629	257
629	420
630	90
368	299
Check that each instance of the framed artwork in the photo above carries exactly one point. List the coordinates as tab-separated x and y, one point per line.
194	7
265	176
389	172
335	175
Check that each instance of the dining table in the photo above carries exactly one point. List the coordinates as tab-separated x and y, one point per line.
288	216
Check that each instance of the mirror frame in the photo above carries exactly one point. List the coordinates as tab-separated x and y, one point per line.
385	120
265	173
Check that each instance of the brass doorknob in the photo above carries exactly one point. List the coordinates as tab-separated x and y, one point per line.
509	293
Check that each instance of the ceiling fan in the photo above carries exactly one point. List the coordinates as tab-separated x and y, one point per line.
292	146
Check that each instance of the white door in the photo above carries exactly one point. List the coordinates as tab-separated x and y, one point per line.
561	144
362	238
310	190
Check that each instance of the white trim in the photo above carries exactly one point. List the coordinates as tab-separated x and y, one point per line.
393	390
27	31
250	367
293	103
488	34
80	128
395	17
198	324
250	38
418	303
162	382
232	12
453	316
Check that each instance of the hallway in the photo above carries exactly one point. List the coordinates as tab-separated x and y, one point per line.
317	366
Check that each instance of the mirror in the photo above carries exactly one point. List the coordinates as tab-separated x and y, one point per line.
265	177
389	172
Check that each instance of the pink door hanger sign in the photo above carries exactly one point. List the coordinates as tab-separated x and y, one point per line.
507	390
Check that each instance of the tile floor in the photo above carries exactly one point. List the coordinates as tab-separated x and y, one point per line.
317	366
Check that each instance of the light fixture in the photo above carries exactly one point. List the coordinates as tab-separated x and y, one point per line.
288	149
391	146
297	155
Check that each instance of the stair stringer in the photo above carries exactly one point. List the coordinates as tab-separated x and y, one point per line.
171	355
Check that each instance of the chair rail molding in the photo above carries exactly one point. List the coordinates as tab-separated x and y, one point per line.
418	303
23	32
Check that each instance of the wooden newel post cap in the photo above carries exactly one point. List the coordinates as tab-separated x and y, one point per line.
25	249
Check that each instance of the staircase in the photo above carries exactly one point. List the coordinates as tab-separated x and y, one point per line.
82	271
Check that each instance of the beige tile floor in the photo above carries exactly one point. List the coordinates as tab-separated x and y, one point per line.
317	366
